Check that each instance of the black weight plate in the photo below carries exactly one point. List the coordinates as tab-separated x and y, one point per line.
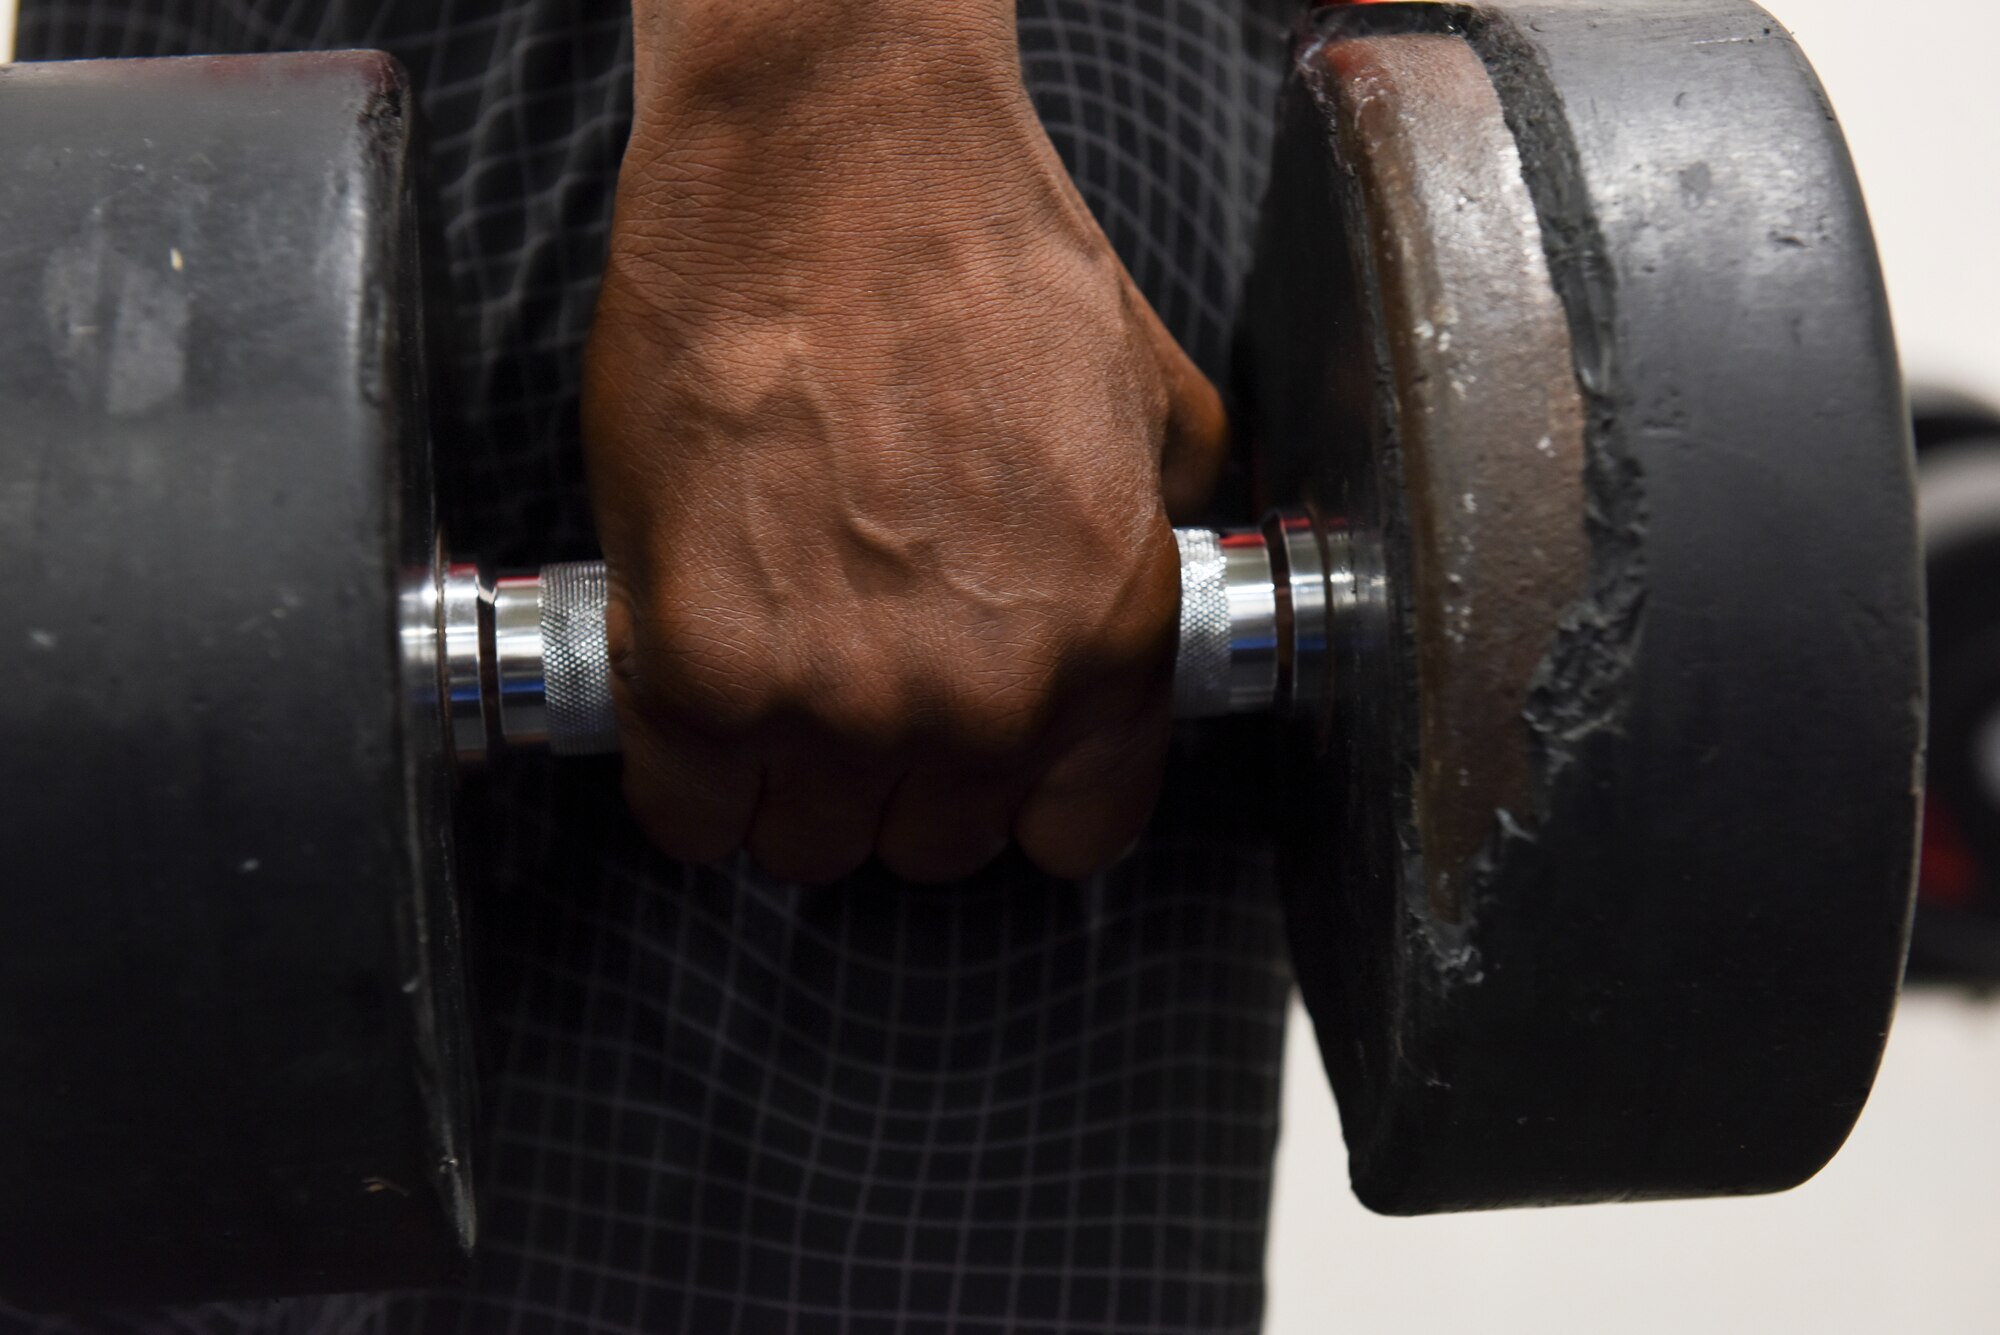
1654	948
230	1054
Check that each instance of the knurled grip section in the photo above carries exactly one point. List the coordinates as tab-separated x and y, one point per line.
1201	664
576	660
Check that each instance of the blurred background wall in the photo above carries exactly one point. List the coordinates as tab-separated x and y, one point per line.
1902	1231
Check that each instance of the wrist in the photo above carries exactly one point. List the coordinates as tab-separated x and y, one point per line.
698	54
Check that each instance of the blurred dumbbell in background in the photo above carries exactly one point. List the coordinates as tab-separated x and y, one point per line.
1956	938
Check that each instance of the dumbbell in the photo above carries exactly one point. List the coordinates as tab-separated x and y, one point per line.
1955	936
1591	615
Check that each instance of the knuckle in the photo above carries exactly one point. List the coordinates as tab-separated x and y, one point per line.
666	825
698	665
1001	713
858	705
802	856
1074	853
985	705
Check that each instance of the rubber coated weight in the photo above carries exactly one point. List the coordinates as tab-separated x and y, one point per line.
231	1060
1600	897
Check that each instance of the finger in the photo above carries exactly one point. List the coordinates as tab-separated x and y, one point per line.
1196	446
817	813
692	795
691	791
1196	442
1093	801
943	825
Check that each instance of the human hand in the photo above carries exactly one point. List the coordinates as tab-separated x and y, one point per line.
883	442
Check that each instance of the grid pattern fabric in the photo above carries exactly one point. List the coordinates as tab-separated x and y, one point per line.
714	1103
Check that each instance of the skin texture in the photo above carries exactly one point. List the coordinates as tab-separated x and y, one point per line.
883	443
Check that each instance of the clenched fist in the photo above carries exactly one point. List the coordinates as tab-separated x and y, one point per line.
883	443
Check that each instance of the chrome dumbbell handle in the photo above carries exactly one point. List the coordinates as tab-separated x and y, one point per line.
525	664
1253	619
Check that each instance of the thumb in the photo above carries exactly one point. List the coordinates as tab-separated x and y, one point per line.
1197	432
